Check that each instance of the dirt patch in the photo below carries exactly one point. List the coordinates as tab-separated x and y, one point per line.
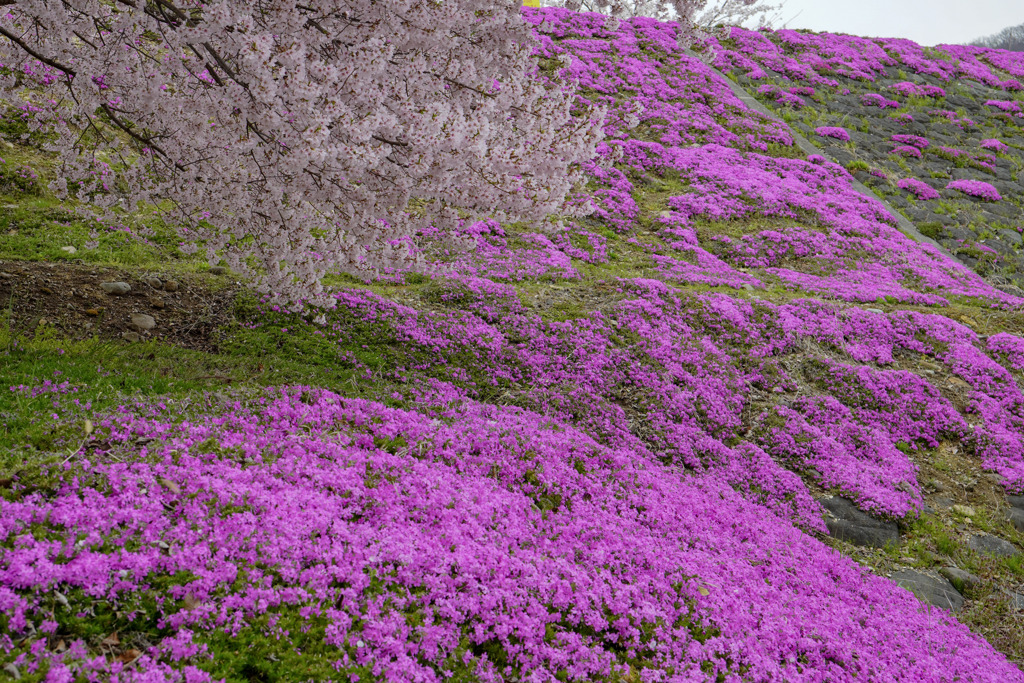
68	298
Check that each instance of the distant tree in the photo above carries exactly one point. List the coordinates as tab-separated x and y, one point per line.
1011	38
291	137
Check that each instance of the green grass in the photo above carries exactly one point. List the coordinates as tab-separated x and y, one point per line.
36	228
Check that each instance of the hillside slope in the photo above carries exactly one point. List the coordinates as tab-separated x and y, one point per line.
700	435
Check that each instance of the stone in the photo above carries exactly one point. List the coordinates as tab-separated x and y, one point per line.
154	282
156	302
92	311
130	336
1017	602
929	589
171	286
69	250
960	579
1015	516
143	322
879	311
991	545
1016	501
848	523
218	270
116	288
964	510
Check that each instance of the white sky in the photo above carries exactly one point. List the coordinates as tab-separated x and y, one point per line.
928	22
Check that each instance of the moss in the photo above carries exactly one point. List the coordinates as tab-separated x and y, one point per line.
932	229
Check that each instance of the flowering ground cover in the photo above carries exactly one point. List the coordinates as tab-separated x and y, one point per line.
966	99
593	452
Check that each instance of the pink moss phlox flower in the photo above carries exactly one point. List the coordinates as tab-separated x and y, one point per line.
912	140
918	188
995	145
907	151
833	132
976	188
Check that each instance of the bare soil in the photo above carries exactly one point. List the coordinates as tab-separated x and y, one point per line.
68	298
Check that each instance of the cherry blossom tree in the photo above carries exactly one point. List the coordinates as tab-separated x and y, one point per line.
695	15
739	13
664	10
295	138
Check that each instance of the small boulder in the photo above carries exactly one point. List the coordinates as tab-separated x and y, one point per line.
1015	516
130	336
848	523
992	545
960	579
964	510
929	589
116	288
1016	501
143	322
69	250
171	286
154	282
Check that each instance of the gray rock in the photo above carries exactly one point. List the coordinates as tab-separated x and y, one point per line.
154	282
848	523
1017	602
116	288
1005	209
130	336
960	578
1016	501
991	545
930	589
1015	516
143	322
69	250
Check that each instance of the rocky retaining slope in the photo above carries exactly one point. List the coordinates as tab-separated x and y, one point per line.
938	132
